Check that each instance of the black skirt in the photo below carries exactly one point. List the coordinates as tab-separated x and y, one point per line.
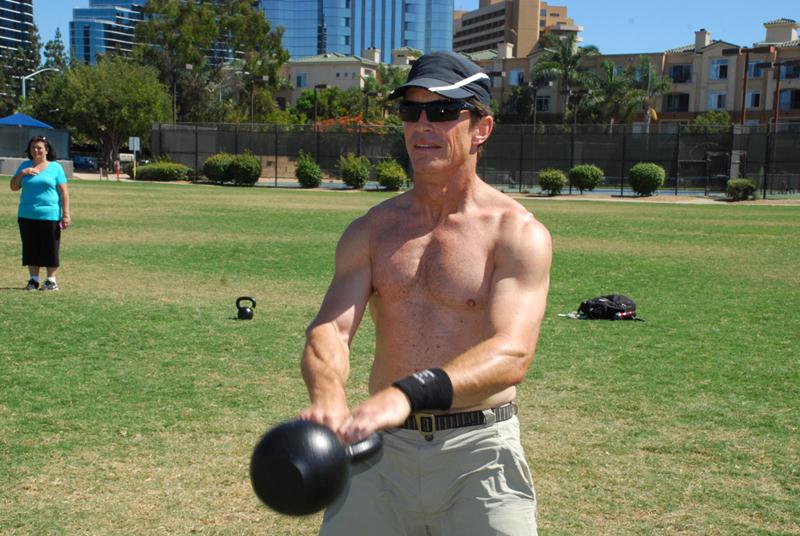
41	240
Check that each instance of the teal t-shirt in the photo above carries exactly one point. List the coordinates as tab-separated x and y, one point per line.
40	199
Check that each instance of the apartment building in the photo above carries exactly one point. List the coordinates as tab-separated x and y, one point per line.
706	74
519	23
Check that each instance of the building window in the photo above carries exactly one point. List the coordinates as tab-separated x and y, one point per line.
337	75
542	12
347	22
790	99
678	102
790	71
719	69
301	80
754	99
542	103
516	77
753	71
680	73
716	100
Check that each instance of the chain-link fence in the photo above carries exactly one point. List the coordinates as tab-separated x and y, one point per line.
696	159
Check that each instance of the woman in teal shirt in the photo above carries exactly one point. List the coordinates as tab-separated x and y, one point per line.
43	211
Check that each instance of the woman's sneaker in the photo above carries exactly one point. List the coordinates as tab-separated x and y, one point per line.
49	285
32	285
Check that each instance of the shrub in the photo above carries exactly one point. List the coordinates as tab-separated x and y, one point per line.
307	171
585	177
216	167
741	189
163	171
552	181
390	174
244	169
646	178
355	170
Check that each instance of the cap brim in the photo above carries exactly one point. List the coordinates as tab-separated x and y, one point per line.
428	83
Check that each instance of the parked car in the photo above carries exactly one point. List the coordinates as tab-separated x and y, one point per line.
87	163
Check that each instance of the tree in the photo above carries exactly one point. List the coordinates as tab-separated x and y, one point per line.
331	103
614	97
55	55
562	61
189	43
646	78
110	101
711	122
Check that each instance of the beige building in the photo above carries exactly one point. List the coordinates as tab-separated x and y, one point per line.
518	23
706	75
337	70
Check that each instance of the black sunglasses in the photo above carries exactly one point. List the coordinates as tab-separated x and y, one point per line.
444	110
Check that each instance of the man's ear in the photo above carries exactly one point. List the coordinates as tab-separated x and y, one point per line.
482	129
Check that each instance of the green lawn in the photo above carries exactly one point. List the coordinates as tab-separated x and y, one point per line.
130	401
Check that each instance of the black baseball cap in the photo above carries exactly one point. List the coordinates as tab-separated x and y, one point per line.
448	74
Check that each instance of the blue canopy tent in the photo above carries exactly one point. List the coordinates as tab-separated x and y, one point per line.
22	120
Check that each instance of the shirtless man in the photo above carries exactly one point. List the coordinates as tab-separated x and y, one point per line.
456	276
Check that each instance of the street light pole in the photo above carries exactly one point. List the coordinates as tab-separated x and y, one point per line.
25	79
316	129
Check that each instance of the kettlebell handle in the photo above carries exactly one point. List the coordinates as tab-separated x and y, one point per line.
245	298
361	450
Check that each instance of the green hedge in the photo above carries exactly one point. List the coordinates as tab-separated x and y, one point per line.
741	189
354	169
242	169
586	177
216	167
390	174
163	171
646	177
308	172
552	180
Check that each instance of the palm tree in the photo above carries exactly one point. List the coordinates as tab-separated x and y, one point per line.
562	61
650	83
614	96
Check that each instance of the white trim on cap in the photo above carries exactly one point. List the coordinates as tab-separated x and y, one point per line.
461	83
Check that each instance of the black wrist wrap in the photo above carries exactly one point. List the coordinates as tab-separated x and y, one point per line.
427	389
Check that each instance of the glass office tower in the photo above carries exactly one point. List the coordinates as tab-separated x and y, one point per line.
104	26
350	26
16	21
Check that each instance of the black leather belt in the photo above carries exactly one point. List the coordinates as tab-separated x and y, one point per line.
429	423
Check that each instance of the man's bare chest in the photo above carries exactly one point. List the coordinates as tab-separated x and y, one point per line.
452	269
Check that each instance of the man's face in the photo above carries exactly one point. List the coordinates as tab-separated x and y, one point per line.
436	147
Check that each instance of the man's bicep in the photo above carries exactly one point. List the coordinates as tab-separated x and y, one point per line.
346	298
521	283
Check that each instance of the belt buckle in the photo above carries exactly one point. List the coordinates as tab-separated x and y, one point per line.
420	418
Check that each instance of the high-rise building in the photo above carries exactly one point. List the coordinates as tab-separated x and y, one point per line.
508	22
104	26
350	26
16	22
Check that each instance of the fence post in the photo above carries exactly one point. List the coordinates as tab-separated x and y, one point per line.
276	155
571	154
767	161
678	158
236	138
521	149
622	170
196	151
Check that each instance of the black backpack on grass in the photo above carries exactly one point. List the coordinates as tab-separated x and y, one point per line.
610	307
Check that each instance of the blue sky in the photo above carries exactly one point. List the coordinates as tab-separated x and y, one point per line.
615	26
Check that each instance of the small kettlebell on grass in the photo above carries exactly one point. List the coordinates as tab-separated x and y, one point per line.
245	312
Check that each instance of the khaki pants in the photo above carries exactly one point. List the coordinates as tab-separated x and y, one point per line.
466	481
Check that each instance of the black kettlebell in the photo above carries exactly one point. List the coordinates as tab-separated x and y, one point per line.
245	312
300	467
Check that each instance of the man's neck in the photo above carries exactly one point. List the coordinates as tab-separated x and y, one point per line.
439	196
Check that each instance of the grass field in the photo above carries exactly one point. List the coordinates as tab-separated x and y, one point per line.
130	401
